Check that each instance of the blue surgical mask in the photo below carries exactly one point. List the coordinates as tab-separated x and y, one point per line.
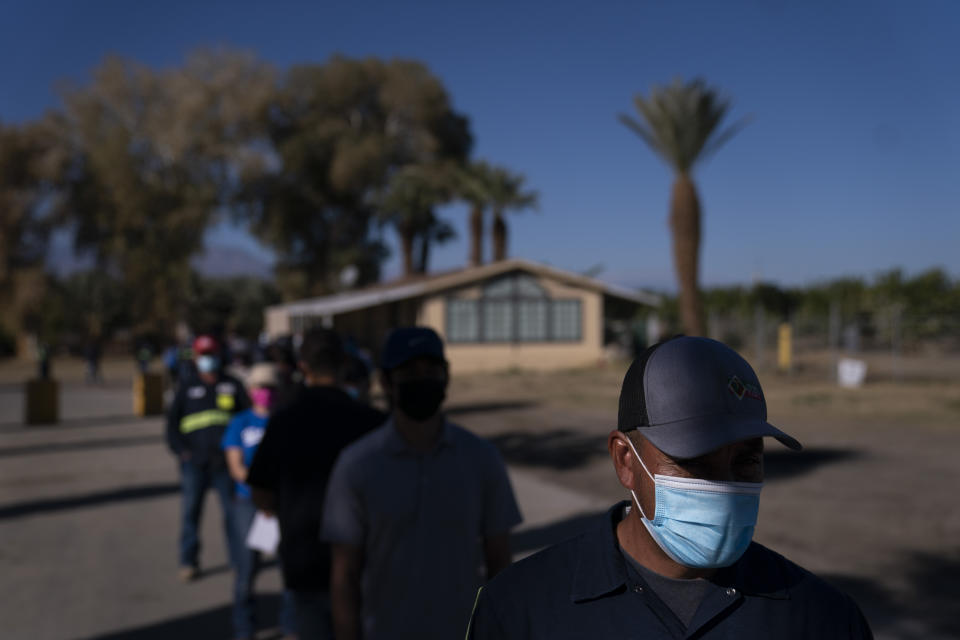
207	364
701	523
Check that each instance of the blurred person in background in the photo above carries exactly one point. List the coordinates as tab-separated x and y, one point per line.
198	416
291	467
678	561
92	355
240	442
414	509
356	378
289	376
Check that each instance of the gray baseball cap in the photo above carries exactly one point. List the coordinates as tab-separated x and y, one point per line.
689	396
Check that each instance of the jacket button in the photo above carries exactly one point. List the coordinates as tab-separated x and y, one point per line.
637	588
731	591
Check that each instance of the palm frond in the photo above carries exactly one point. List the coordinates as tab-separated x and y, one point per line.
681	122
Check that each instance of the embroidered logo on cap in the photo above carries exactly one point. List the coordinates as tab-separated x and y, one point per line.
741	389
736	387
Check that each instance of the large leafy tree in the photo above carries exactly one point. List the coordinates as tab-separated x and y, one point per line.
506	192
30	160
338	133
150	167
681	123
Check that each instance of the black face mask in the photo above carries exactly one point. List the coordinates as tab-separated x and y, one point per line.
421	399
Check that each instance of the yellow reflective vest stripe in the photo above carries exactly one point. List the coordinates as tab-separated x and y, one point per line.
204	419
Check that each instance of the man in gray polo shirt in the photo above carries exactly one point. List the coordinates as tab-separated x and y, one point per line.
414	508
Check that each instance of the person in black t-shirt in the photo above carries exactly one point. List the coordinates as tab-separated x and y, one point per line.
290	470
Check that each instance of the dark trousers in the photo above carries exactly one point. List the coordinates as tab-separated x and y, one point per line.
195	479
313	615
247	564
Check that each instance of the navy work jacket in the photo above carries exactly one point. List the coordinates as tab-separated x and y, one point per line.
582	589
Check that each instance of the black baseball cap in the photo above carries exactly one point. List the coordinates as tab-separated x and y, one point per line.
689	396
408	343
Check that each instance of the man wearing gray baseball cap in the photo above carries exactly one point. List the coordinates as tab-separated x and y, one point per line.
677	560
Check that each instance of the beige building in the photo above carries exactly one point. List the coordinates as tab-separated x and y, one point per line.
508	314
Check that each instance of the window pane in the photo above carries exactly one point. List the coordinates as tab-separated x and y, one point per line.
528	287
532	320
497	320
566	320
499	288
462	321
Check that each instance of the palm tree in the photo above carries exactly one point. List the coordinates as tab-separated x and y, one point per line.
681	124
473	186
408	203
506	192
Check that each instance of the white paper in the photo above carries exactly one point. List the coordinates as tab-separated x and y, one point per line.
851	373
264	534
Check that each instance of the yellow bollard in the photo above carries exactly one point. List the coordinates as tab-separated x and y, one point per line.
42	404
785	347
148	394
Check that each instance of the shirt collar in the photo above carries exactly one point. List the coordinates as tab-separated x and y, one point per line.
397	445
601	568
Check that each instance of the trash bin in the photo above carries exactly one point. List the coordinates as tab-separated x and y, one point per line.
43	402
148	394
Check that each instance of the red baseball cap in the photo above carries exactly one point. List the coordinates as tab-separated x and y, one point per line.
205	344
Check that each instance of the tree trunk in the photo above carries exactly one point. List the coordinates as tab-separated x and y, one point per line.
424	252
407	237
499	237
685	227
476	236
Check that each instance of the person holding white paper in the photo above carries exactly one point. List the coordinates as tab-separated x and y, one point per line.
240	442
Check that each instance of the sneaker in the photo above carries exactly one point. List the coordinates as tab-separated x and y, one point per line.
188	574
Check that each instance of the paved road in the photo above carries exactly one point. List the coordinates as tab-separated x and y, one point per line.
88	517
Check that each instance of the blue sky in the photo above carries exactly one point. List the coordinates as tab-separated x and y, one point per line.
850	166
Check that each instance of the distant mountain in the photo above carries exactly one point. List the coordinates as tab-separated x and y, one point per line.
220	261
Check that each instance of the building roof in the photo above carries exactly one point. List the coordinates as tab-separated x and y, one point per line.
431	284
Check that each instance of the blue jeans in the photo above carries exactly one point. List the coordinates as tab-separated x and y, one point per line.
247	564
195	479
313	615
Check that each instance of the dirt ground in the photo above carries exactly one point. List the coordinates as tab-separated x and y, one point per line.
870	504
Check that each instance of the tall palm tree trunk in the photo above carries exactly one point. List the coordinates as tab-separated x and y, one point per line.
499	237
424	252
407	237
476	236
685	227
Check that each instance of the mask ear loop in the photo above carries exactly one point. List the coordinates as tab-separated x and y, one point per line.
647	471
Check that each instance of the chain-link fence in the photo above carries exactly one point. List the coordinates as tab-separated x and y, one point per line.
895	344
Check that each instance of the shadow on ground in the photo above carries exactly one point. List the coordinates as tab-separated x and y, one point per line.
80	445
568	449
484	407
213	623
781	464
559	448
552	533
46	505
74	423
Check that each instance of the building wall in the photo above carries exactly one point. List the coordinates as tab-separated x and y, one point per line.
277	322
481	356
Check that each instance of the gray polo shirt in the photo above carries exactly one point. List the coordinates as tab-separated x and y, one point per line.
420	518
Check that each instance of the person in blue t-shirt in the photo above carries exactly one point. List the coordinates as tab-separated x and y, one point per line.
240	441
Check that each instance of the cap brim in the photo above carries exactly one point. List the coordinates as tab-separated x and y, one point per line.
698	436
